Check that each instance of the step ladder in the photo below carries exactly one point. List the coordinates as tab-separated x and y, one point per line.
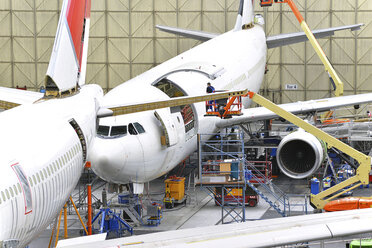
278	199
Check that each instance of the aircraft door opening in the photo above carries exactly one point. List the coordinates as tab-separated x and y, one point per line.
169	128
187	111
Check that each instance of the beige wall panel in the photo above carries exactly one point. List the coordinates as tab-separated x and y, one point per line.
142	24
5	51
98	24
290	23
343	51
5	23
6	75
23	23
5	5
44	49
273	56
293	74
48	5
231	20
317	78
347	75
24	74
272	23
97	74
46	23
165	49
97	50
118	24
142	5
292	96
118	74
214	22
365	18
189	5
187	44
317	20
190	20
364	51
24	49
272	78
364	78
294	54
318	5
100	5
166	19
118	5
216	5
142	50
22	4
348	5
41	72
140	68
166	5
316	94
118	50
365	5
233	5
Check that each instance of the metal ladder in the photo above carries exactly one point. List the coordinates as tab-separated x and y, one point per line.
281	200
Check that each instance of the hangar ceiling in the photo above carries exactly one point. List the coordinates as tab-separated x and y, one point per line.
124	42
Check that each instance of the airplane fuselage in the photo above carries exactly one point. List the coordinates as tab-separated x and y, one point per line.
237	59
43	149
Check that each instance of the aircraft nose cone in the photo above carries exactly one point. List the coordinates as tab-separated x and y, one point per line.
107	157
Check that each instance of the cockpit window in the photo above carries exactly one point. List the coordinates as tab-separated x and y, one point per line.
139	127
103	130
118	130
132	130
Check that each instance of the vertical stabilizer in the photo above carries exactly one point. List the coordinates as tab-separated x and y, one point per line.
67	64
245	15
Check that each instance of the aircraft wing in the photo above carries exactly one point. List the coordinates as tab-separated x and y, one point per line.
272	41
262	233
10	98
261	113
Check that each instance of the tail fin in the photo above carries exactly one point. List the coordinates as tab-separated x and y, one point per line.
245	15
67	66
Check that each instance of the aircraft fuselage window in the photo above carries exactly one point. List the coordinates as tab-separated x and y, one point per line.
103	130
118	130
139	127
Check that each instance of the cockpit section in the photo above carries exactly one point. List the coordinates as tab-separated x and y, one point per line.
120	131
187	111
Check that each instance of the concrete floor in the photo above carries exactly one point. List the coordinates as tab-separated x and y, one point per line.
202	212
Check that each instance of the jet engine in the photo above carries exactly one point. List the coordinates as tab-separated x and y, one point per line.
300	154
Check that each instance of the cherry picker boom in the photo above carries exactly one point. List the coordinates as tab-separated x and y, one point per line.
338	84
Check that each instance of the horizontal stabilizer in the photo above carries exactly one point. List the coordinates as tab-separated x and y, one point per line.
261	113
292	38
10	98
196	35
75	242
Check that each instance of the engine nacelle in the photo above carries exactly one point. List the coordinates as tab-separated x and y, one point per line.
300	154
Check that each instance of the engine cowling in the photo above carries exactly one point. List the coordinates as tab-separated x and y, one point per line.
300	154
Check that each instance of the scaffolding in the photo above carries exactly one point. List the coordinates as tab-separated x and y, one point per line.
232	181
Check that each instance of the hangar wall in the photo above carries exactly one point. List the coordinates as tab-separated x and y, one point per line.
124	42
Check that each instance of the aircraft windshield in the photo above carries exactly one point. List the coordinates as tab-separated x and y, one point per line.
118	130
103	130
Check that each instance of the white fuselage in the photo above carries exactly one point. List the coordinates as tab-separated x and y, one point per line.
42	158
240	59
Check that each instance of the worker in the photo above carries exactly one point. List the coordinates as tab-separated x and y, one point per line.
210	89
